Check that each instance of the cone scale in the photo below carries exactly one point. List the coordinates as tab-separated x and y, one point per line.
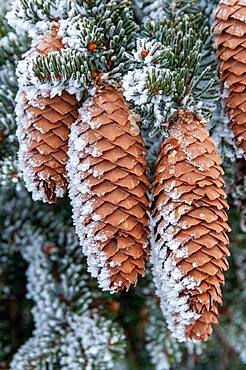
189	228
230	39
43	128
108	190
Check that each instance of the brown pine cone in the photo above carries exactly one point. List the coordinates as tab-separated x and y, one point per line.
230	39
51	42
108	190
189	228
43	135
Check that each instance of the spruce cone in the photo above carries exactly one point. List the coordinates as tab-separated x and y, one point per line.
108	190
230	31
189	228
51	42
43	134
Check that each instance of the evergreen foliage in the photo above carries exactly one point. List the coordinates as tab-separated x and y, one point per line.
172	66
161	53
95	48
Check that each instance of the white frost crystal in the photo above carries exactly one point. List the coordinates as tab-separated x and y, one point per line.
169	280
37	20
82	209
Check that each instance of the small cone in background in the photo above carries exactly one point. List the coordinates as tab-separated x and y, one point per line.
189	228
44	135
230	39
108	190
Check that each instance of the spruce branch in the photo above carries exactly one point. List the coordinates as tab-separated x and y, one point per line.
12	47
158	9
73	326
96	47
34	11
113	25
190	81
8	87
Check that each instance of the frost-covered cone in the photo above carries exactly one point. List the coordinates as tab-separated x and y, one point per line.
230	39
108	190
189	228
43	128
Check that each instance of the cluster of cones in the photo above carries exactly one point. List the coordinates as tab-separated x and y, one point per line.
110	164
103	165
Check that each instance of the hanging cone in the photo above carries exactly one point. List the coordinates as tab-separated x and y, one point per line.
43	127
189	228
108	190
230	39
